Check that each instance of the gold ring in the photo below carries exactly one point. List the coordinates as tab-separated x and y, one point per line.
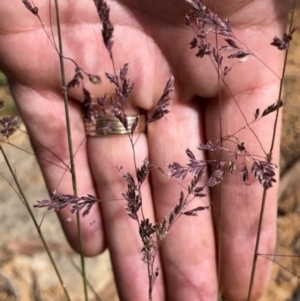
111	125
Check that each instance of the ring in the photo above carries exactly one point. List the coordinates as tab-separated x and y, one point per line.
111	125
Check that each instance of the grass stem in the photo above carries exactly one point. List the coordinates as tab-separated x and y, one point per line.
269	158
70	145
26	203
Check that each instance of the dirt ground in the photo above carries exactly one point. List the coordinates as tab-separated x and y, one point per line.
25	271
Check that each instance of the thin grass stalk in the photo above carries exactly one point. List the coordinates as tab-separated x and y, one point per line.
269	158
257	244
70	146
91	287
26	203
280	90
220	220
149	268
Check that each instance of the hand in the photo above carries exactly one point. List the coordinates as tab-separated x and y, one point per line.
152	37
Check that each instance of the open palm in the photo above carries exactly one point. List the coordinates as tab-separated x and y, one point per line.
152	37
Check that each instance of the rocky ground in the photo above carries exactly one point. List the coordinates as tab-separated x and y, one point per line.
25	271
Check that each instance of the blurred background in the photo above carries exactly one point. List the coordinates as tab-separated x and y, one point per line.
25	271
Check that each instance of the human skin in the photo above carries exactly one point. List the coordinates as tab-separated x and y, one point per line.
154	40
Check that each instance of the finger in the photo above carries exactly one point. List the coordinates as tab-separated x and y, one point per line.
123	237
188	252
237	207
44	116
